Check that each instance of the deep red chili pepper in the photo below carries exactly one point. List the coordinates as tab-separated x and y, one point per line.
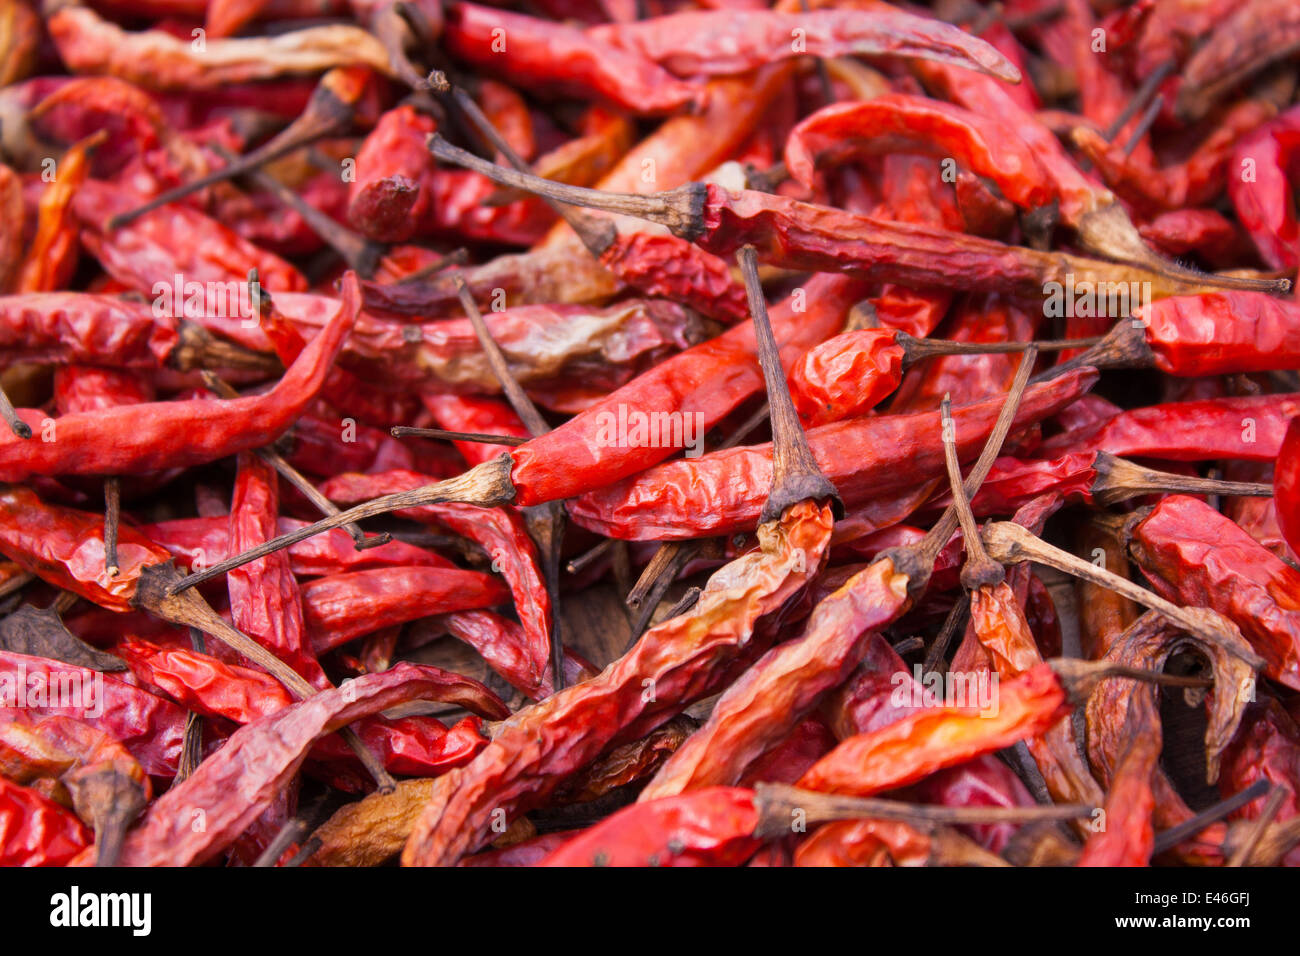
1261	193
1286	485
161	435
36	832
88	388
729	41
708	495
76	327
528	50
1194	555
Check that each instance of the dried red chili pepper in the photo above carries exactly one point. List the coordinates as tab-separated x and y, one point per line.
1194	555
707	495
534	47
729	41
1286	485
35	831
234	785
160	435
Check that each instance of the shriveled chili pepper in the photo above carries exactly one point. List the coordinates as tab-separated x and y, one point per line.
150	727
1195	555
534	47
704	496
36	832
806	236
1248	427
52	258
1286	484
728	41
239	781
1261	193
152	436
155	59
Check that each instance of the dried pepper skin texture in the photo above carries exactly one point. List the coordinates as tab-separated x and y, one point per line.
898	122
35	831
241	779
710	827
773	695
538	747
1128	837
703	383
155	436
735	41
82	327
1249	428
1264	201
535	47
338	608
933	738
1193	555
148	726
1222	333
1286	485
846	376
723	492
66	548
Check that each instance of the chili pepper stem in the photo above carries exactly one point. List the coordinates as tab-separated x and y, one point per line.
596	234
795	474
199	349
679	209
296	478
326	115
16	424
1109	232
112	517
778	802
980	569
1119	480
1011	544
408	431
1241	856
917	561
546	521
938	651
916	349
1170	838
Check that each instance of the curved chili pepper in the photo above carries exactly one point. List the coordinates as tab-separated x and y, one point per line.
898	122
159	435
1128	837
730	41
52	257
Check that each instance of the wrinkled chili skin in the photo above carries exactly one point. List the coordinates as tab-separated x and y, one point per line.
1264	202
703	383
148	726
846	376
1286	485
159	435
343	606
710	827
66	548
588	67
929	739
1195	556
35	831
538	747
723	492
81	327
1222	333
1249	427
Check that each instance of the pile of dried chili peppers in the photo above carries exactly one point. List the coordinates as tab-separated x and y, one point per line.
657	433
